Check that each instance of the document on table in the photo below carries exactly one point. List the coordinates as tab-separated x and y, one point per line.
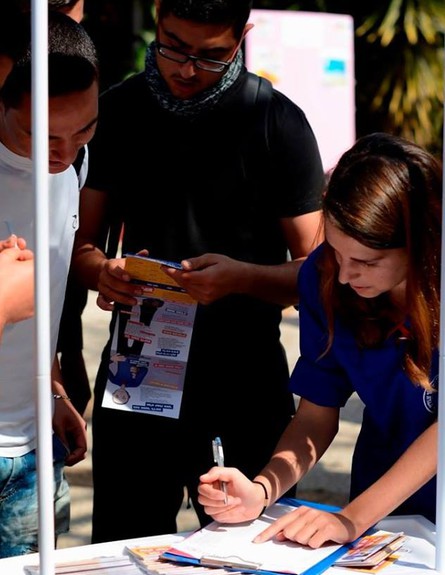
231	546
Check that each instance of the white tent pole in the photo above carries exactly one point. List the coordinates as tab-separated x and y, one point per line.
39	40
440	506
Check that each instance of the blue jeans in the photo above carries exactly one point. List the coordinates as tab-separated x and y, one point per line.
19	520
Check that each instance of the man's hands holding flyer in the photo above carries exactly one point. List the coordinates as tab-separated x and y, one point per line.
209	277
206	279
114	284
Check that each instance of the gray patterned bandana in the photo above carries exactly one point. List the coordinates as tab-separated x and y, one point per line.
188	108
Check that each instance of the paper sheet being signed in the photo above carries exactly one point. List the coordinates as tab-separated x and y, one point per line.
231	546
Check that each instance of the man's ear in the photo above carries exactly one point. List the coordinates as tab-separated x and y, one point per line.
247	28
157	7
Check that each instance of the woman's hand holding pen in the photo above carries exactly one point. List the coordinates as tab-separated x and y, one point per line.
245	498
305	525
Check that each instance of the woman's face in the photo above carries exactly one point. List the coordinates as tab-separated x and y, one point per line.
368	271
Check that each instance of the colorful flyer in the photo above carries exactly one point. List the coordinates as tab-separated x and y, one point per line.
151	343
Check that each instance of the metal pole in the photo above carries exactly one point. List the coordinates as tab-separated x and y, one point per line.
39	44
440	506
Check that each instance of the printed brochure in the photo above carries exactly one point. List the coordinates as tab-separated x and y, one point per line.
151	342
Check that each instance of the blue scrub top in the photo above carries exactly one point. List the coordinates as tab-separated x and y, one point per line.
396	411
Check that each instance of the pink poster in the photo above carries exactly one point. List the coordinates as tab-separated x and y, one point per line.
309	57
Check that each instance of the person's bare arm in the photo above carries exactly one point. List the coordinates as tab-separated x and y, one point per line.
68	424
88	255
314	527
90	264
416	466
304	441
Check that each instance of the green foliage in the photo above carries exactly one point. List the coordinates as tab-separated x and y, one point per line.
146	37
405	42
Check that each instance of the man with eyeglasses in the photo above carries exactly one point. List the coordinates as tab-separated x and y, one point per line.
176	157
201	63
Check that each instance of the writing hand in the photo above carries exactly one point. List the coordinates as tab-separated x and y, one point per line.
245	499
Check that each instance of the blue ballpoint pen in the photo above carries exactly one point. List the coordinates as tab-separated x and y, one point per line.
218	457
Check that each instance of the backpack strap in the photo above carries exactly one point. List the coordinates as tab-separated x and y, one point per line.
257	96
252	123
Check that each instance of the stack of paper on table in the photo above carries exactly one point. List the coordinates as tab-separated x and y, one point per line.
372	550
150	561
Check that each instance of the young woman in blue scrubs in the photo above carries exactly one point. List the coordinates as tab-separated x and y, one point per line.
369	323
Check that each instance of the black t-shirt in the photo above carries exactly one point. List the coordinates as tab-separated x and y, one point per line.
190	187
187	187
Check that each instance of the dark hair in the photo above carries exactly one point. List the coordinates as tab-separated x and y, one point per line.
232	12
386	192
15	32
72	62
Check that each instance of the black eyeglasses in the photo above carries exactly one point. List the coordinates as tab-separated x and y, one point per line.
202	63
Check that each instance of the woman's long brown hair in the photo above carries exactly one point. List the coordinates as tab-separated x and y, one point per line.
386	192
